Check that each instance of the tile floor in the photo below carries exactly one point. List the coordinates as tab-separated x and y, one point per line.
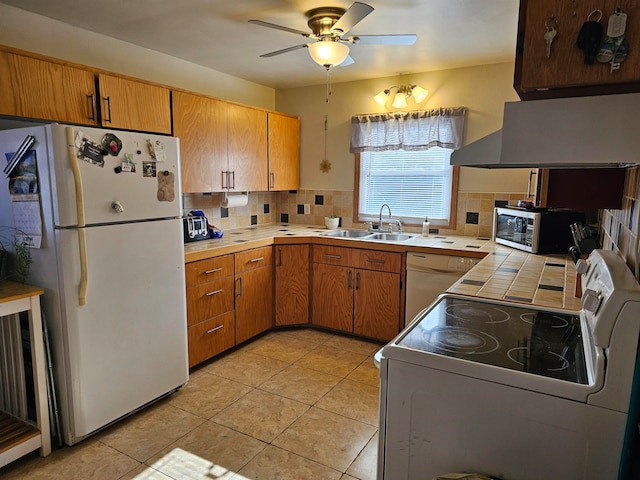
295	404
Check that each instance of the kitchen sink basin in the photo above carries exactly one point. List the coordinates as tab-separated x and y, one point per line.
348	233
391	237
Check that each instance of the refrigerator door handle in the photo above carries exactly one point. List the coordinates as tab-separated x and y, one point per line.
82	241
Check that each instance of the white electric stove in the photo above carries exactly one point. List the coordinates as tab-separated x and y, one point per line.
514	391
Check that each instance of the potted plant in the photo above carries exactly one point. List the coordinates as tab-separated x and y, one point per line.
332	222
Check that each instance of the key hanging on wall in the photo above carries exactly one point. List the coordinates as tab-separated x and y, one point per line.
590	36
614	47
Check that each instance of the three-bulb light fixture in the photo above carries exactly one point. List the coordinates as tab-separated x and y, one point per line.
402	93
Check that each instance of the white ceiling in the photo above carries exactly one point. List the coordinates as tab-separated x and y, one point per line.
216	34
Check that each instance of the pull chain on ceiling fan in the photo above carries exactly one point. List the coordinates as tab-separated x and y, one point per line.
328	26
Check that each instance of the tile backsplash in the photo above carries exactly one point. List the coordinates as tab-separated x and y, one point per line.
309	207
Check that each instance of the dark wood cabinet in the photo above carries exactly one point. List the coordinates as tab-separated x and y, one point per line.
564	73
581	188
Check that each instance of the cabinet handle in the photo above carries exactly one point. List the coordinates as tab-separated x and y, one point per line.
357	280
233	179
273	180
215	329
529	191
259	259
240	288
349	279
207	272
337	257
373	260
92	106
108	100
225	175
215	292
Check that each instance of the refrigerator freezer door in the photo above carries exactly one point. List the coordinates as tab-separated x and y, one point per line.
112	194
128	344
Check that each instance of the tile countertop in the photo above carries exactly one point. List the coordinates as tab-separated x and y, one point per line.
503	273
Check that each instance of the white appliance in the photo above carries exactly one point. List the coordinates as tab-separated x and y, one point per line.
112	266
430	275
514	391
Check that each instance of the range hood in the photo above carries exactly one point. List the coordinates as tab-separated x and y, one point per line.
597	131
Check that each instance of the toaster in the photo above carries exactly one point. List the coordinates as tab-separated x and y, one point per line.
195	228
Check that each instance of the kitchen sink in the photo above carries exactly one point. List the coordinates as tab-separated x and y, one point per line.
348	233
391	237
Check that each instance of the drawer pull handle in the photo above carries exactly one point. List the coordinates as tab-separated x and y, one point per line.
259	259
207	272
332	256
214	329
373	260
215	292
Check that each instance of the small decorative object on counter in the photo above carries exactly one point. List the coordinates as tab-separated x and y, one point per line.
332	222
425	227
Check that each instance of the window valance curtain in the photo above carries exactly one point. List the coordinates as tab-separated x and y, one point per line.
411	131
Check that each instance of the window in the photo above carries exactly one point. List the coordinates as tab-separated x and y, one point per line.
416	184
402	159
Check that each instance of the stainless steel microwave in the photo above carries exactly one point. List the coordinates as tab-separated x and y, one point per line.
544	231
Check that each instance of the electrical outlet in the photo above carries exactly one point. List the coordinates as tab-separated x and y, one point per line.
307	209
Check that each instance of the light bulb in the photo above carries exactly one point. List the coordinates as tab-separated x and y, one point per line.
382	97
400	100
328	52
419	93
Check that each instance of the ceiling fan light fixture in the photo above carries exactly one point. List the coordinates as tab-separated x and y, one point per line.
328	52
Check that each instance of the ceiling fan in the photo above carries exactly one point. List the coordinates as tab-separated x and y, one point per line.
328	26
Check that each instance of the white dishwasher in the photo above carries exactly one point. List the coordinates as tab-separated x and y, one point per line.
429	275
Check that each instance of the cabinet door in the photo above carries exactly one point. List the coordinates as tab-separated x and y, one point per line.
377	304
201	125
332	303
247	144
581	188
254	303
292	284
284	152
133	105
210	338
209	300
35	88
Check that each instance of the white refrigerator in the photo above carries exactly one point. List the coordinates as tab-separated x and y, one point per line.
111	261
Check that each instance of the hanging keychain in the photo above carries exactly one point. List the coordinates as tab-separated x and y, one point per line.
590	36
614	47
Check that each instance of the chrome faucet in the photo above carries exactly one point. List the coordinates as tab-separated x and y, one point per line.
380	217
399	225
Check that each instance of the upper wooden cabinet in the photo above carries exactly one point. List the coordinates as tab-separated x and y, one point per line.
564	73
34	88
284	152
581	188
247	148
133	105
201	124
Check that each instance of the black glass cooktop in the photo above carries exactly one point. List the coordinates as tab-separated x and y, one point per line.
512	337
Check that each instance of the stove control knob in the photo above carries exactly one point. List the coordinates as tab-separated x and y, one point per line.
582	266
591	300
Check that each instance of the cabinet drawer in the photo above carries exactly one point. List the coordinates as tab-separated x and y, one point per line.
333	255
377	260
209	299
208	270
210	338
252	259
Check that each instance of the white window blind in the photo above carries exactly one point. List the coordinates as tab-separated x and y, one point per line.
416	184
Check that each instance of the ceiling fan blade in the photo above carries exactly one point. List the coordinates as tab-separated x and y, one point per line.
284	50
383	39
347	61
280	27
354	14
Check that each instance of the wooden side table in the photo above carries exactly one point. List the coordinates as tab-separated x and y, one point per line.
17	437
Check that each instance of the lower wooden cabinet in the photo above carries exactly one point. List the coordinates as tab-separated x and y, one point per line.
254	292
357	291
292	284
211	337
